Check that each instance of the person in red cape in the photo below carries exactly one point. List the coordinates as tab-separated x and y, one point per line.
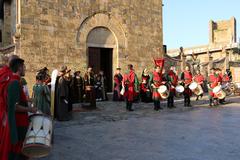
17	109
172	80
213	81
199	78
130	83
156	82
186	78
5	77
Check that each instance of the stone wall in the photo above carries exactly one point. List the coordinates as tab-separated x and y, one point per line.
7	26
55	32
222	31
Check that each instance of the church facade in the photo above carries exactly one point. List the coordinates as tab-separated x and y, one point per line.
105	34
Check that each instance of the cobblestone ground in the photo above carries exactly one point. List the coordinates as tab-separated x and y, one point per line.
111	133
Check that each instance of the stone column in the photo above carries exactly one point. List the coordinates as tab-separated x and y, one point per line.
210	61
17	40
183	59
227	55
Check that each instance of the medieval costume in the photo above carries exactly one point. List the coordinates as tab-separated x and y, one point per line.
5	143
89	88
172	81
14	108
156	82
25	87
117	86
104	88
99	88
213	81
130	82
223	80
77	87
63	96
41	95
145	89
186	78
199	78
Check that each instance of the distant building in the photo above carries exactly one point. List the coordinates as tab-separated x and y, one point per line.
222	51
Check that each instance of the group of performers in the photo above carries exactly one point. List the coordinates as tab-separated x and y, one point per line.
153	87
160	85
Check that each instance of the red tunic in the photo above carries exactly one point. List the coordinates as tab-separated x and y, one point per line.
187	80
225	78
22	120
199	79
144	84
157	81
129	84
173	80
213	81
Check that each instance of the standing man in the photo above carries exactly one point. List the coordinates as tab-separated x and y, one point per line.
186	78
117	85
213	81
89	87
156	81
130	82
77	87
199	78
17	108
145	88
63	95
172	80
104	85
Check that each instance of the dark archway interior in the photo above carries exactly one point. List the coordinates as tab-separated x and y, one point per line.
102	59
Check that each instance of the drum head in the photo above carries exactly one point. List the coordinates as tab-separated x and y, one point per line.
193	85
162	89
216	89
179	89
36	150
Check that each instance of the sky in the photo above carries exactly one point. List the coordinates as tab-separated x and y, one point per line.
185	22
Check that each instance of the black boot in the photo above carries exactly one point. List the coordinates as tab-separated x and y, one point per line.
130	107
197	98
189	102
127	106
185	101
210	102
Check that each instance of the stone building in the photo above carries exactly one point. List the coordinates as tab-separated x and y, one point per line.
222	51
103	33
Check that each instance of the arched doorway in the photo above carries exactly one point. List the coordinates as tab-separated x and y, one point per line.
101	44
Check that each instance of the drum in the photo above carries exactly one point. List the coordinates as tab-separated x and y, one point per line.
179	90
220	94
89	88
226	87
37	143
196	88
163	91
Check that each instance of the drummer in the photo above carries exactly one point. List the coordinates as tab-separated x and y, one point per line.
17	110
223	80
156	82
199	78
186	78
172	80
213	81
